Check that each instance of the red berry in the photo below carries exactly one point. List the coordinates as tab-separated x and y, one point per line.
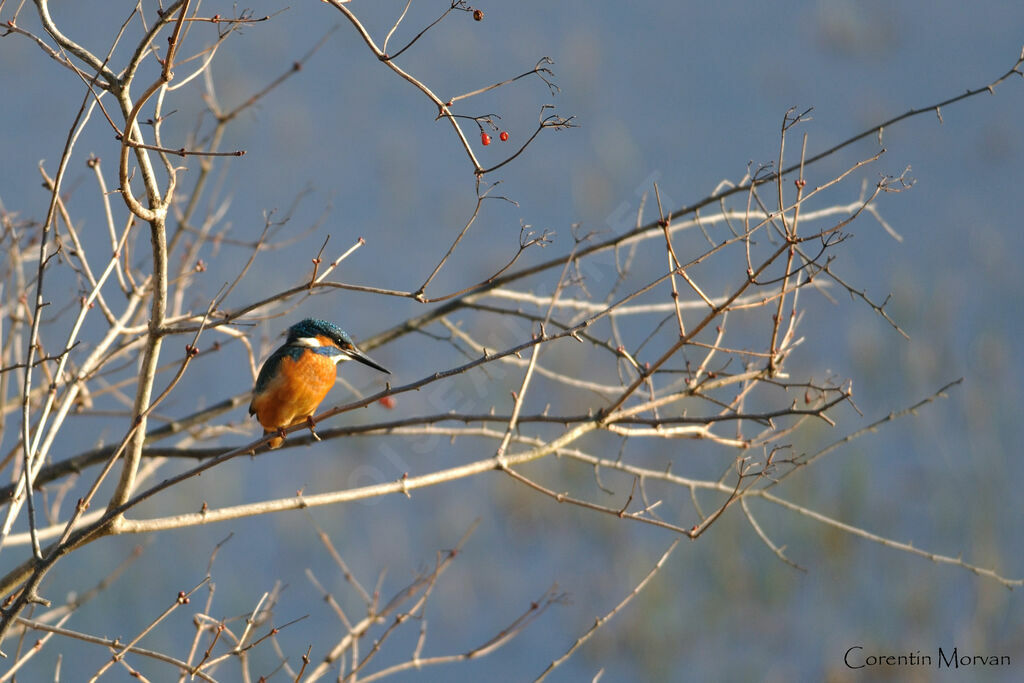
485	139
387	401
504	136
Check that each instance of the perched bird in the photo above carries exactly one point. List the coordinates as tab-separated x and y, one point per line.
296	378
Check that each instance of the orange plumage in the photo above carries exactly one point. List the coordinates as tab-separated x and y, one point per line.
296	377
294	393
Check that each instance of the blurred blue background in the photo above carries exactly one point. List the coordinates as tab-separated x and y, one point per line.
682	93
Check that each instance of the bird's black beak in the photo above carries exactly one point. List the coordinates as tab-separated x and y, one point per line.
356	354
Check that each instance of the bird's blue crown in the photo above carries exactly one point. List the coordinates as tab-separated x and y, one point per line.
311	328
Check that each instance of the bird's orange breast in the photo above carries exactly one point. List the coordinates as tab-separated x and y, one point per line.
296	390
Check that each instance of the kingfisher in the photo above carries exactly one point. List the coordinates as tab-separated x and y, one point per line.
297	376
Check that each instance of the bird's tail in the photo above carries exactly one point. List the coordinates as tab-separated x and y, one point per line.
276	441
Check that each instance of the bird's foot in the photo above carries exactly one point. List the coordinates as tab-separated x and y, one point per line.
312	427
